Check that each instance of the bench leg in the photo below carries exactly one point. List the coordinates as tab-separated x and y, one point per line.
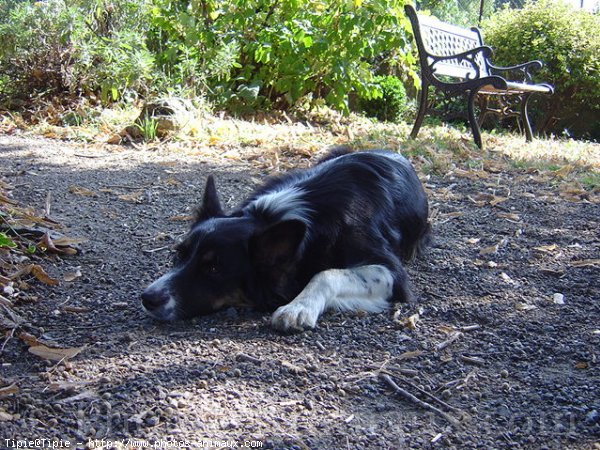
525	118
473	119
422	109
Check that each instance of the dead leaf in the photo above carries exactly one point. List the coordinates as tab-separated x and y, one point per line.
489	250
450	215
410	355
524	306
9	390
76	309
80	190
6	302
38	272
506	278
183	218
487	199
6	417
407	322
29	339
497	200
47	244
85	395
115	139
68	386
64	241
586	263
509	216
55	354
134	197
72	276
293	368
580	365
473	241
446	329
546	248
470	174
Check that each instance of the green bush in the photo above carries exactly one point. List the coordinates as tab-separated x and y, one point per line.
390	104
240	53
54	48
567	41
279	53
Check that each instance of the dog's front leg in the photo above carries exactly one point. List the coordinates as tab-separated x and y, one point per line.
364	288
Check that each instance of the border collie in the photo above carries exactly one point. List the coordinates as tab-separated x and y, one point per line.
329	237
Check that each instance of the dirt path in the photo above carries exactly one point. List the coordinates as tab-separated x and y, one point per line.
514	368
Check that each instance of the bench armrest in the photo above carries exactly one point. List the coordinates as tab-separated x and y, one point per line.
520	71
469	56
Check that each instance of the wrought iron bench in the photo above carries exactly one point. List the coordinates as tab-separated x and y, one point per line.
454	61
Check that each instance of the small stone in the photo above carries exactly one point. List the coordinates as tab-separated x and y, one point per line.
152	421
504	373
592	417
446	394
202	384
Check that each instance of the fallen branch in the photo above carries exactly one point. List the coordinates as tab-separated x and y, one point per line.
472	360
408	396
453	338
429	395
243	357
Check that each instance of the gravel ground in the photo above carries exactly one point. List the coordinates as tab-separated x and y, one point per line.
491	356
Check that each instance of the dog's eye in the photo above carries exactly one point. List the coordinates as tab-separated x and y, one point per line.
211	267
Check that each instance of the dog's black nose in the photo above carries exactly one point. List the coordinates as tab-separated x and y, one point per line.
152	299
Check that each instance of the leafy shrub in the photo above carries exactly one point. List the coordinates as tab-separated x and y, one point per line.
242	54
567	41
390	105
279	52
87	46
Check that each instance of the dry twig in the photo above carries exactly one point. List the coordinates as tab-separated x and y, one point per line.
410	397
453	338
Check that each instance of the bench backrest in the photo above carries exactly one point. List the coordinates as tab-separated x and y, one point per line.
442	39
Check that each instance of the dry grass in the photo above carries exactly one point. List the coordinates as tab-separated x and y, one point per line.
278	142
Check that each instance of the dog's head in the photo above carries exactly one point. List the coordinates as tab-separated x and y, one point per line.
219	258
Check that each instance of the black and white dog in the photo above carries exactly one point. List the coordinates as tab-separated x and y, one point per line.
329	237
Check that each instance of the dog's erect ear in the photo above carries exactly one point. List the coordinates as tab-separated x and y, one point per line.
210	204
277	244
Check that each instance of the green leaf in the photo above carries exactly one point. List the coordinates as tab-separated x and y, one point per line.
6	242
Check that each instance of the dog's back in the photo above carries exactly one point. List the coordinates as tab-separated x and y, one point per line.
359	208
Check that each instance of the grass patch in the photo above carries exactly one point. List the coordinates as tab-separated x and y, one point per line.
277	141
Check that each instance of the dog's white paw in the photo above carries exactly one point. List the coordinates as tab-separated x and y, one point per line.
295	316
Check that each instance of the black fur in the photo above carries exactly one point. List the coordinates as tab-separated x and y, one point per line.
350	209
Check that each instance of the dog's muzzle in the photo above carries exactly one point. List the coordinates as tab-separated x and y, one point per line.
158	301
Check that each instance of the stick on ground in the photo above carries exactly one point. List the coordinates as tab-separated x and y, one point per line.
408	396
